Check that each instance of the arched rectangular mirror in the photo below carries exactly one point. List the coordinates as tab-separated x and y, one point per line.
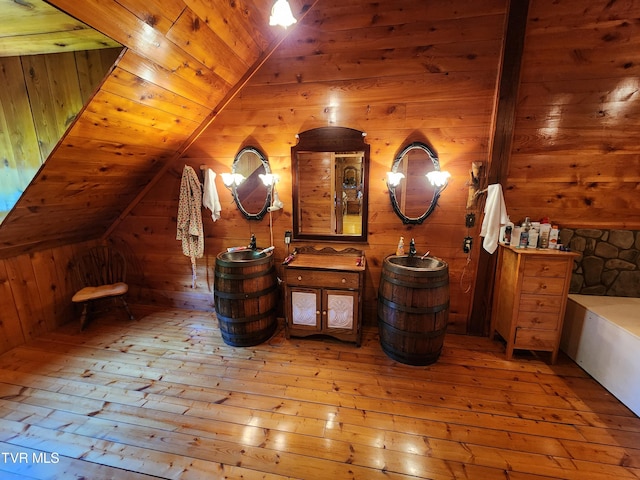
330	167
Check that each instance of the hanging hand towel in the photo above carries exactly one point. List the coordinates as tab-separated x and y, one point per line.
210	198
495	216
190	229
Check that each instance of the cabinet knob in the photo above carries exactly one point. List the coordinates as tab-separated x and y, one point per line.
317	312
324	312
299	278
344	280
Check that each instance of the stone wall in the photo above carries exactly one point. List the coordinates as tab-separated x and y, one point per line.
609	262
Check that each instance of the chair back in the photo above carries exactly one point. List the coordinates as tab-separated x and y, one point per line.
101	265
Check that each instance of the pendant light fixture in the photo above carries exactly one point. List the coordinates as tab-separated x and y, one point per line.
281	14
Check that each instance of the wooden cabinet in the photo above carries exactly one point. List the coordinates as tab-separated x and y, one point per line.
323	293
530	297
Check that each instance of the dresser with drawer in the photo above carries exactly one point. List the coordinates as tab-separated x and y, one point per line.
323	293
530	297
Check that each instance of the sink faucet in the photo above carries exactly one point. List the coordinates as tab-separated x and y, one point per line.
252	244
412	248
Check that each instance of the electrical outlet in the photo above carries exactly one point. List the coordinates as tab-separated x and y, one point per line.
466	246
470	220
287	237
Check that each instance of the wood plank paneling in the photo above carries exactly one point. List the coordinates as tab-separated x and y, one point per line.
177	68
420	72
37	28
572	158
43	95
36	293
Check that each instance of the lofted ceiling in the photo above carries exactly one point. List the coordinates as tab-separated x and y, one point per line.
33	27
183	61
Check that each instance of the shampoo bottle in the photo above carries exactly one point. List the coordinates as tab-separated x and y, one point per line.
524	233
553	237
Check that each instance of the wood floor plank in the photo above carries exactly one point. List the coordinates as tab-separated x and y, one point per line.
164	397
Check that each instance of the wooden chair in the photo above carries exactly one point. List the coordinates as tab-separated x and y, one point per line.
101	274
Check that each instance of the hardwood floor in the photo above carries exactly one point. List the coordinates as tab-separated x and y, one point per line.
164	397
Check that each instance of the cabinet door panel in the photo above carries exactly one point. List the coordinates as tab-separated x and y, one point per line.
305	308
341	309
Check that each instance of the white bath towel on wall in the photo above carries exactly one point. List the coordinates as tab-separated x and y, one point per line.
495	216
210	197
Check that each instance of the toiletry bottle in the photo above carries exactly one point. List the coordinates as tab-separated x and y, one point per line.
554	233
508	230
515	236
545	229
533	238
524	233
400	249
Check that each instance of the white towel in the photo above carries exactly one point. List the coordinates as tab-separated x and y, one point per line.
210	197
495	216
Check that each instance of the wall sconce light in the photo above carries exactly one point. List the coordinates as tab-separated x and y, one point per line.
439	179
394	178
231	179
270	180
281	14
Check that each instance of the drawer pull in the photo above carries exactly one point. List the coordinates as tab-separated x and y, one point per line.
344	280
299	278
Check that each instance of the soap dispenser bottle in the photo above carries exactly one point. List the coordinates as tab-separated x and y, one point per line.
400	249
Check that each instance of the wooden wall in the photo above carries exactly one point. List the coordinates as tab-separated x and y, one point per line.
40	98
576	150
418	71
402	72
181	62
433	79
35	293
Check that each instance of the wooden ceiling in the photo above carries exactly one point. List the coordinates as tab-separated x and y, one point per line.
183	61
33	27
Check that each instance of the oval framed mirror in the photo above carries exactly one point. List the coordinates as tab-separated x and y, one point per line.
330	169
413	198
252	196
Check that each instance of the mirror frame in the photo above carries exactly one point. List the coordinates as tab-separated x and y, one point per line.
392	190
234	192
330	139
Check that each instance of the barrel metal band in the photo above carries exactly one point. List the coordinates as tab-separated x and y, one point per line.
402	283
242	276
239	295
250	318
404	308
430	334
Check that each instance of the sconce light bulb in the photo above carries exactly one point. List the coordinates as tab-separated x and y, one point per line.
394	178
269	178
438	178
230	179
